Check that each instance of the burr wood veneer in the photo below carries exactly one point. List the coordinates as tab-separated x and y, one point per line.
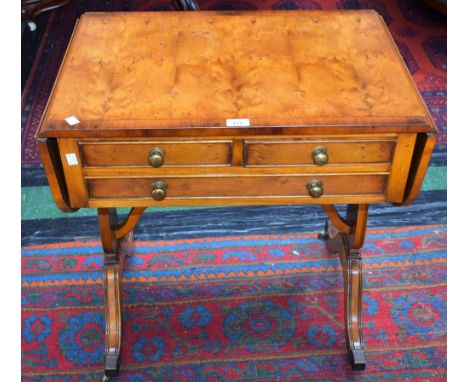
234	108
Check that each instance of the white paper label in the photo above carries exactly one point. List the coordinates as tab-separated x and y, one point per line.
72	120
72	159
237	122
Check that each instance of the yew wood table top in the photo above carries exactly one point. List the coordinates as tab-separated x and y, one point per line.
300	72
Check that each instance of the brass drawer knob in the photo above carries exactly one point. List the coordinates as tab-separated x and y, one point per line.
320	155
156	157
159	190
315	188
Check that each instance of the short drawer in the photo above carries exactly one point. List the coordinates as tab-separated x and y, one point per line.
301	153
236	186
185	153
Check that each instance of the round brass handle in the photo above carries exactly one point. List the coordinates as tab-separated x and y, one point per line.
159	190
320	155
315	188
156	157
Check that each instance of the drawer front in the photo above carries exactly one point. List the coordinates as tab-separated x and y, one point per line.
240	186
184	153
300	153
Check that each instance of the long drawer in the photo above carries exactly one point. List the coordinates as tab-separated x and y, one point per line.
239	186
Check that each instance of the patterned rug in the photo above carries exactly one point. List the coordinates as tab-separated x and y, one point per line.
241	293
239	308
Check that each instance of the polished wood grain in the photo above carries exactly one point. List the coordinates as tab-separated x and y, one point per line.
117	243
352	75
357	216
238	152
336	220
171	81
348	246
73	170
299	152
290	185
400	168
130	222
423	149
238	170
113	266
232	201
107	219
176	153
50	158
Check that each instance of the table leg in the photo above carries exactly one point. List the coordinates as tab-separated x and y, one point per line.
117	242
347	241
345	236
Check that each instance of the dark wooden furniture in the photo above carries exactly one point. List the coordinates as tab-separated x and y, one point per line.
31	8
186	5
212	108
438	5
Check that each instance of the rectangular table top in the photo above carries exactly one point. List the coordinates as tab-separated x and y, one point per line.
220	73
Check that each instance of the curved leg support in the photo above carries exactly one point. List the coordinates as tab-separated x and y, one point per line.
348	246
352	273
130	222
113	314
115	252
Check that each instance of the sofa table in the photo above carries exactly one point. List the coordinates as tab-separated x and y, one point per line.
234	108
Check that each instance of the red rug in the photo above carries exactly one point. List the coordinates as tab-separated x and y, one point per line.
257	308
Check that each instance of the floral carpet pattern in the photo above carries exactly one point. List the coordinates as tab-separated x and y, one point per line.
239	308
